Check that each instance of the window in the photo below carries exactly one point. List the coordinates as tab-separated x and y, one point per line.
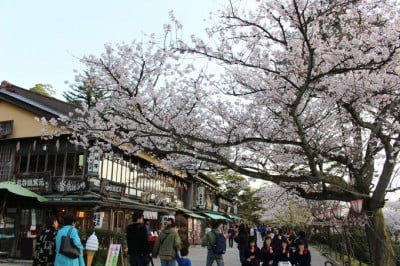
79	163
41	163
69	166
59	165
23	166
32	163
51	161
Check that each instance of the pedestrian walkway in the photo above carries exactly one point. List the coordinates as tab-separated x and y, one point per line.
198	256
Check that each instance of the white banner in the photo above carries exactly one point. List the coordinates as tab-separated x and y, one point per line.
150	215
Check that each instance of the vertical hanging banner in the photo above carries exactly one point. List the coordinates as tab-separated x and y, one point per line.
113	254
200	197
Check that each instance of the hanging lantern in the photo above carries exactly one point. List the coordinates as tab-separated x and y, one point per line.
337	213
328	215
357	205
319	215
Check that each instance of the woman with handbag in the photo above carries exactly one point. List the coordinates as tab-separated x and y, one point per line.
69	248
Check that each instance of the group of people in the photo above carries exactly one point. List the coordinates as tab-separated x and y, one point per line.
47	248
276	248
168	246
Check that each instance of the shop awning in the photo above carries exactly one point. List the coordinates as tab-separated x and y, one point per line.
215	216
13	188
234	217
191	214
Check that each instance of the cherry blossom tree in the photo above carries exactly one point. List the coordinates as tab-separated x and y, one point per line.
302	93
392	215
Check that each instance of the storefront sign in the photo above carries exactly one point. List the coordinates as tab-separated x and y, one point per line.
68	185
110	187
200	196
39	182
98	219
93	160
150	215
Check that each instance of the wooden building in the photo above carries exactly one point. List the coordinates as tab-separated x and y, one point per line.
103	191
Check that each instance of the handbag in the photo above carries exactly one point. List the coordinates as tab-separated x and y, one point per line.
67	247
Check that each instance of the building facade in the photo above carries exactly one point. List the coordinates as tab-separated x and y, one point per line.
102	189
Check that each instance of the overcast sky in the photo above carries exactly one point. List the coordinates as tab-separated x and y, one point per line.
41	40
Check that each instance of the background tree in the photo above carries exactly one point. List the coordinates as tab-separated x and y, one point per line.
304	94
43	89
86	92
236	187
293	215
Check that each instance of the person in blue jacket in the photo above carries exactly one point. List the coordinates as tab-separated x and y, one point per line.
183	259
61	260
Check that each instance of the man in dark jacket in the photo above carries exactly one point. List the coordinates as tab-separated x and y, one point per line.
137	239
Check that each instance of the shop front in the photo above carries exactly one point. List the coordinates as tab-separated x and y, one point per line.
18	222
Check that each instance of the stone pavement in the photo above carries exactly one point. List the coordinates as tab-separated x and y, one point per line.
198	257
231	258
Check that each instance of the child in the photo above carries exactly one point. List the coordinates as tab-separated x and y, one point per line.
183	260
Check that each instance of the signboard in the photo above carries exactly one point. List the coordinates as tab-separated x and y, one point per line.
200	196
113	254
93	160
150	215
98	219
108	187
68	184
36	182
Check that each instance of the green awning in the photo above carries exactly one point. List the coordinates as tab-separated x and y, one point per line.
234	217
16	189
215	216
191	214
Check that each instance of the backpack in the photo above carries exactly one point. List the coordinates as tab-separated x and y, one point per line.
219	246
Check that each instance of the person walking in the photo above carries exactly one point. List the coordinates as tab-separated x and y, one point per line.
167	245
302	256
263	231
253	233
231	235
242	239
252	254
183	259
277	239
301	238
267	252
45	248
210	240
137	239
69	229
284	253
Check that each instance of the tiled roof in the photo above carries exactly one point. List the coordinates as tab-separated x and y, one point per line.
35	102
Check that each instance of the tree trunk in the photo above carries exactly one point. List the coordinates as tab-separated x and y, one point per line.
380	244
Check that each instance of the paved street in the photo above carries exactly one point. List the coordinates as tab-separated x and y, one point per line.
231	258
198	257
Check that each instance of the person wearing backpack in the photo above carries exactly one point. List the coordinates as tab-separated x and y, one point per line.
215	242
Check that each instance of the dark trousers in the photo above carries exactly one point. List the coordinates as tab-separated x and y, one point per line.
138	260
